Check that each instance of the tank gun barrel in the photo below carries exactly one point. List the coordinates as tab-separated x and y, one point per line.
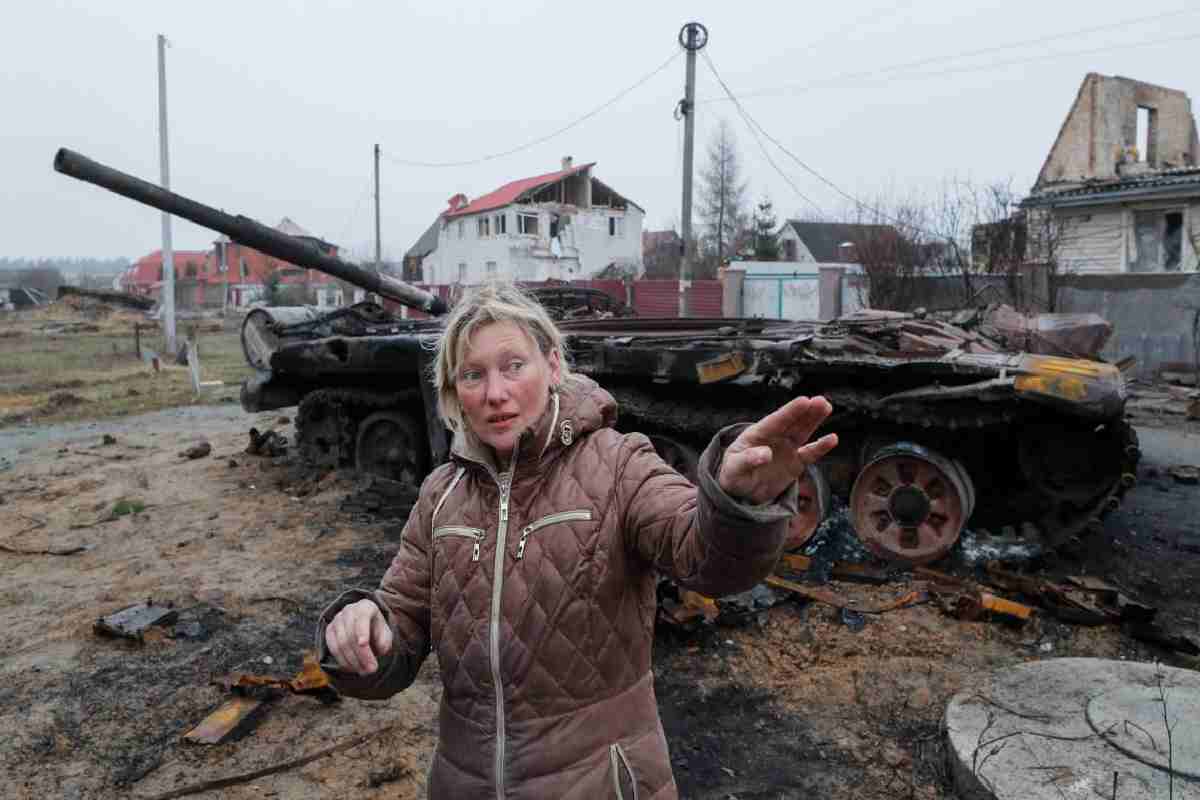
245	231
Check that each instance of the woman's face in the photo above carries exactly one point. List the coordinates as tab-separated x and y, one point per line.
503	383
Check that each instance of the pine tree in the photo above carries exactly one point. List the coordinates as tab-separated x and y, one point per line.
766	247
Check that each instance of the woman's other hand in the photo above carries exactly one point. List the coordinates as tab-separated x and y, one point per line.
357	636
774	452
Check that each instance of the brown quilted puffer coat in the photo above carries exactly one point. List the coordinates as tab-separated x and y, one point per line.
536	588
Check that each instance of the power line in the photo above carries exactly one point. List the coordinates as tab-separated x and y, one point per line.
542	139
753	132
874	15
1052	56
834	80
754	123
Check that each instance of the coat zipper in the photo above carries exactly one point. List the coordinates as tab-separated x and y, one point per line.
550	519
505	484
617	759
469	533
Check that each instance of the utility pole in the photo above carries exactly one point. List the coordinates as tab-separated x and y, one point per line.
168	254
378	246
692	37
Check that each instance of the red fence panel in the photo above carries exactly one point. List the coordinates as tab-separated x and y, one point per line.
705	299
655	298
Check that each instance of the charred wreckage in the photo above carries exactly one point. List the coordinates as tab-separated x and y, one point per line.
1008	422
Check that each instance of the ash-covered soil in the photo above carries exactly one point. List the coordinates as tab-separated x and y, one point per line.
791	702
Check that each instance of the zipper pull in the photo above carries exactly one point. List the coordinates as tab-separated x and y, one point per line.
521	544
475	551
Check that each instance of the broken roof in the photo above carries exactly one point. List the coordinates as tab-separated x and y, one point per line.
427	243
823	238
286	225
514	191
1155	182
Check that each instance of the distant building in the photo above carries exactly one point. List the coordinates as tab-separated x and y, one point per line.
1121	185
827	242
563	225
231	274
414	258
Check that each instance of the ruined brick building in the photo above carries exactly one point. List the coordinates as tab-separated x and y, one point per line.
1122	181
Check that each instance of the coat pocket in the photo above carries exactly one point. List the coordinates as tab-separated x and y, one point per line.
624	781
474	534
582	515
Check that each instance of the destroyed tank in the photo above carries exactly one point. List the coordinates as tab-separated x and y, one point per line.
975	420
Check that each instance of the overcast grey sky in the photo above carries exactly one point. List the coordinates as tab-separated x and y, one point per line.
274	107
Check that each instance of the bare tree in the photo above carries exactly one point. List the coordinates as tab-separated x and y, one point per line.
974	235
722	198
890	243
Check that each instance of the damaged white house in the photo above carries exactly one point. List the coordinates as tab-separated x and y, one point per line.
1122	181
563	225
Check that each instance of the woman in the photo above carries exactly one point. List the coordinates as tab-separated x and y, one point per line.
529	563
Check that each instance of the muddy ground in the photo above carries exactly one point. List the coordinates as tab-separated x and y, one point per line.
790	703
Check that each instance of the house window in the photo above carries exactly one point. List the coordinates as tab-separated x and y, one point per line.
1146	123
789	249
1172	240
460	229
616	227
462	273
527	224
244	267
484	227
501	225
1157	241
491	270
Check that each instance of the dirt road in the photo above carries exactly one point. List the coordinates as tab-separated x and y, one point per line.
248	549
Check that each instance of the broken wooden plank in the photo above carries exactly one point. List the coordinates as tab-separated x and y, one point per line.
232	715
837	601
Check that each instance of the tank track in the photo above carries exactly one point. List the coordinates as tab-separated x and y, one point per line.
327	421
1041	522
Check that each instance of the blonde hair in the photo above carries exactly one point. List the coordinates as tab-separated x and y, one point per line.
481	306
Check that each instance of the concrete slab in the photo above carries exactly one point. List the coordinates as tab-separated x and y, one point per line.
1031	732
1158	726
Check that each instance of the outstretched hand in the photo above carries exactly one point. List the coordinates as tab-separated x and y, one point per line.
774	452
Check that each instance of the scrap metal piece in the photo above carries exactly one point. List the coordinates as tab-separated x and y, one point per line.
311	679
721	368
133	621
1186	474
233	716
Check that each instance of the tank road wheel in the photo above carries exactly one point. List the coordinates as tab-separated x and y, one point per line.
679	456
910	504
814	505
392	445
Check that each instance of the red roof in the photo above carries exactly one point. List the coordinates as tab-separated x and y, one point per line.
509	192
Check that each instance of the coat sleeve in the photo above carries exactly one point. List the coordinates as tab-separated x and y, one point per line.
404	597
698	535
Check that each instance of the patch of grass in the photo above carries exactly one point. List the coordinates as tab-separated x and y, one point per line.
102	370
127	505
